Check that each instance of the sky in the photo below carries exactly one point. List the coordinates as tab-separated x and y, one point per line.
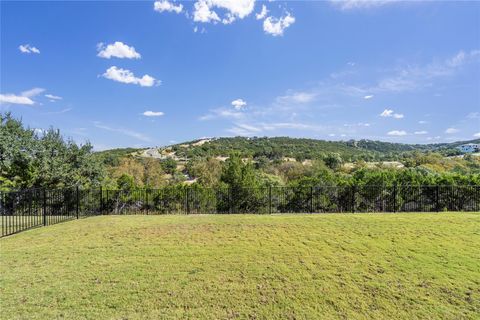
153	73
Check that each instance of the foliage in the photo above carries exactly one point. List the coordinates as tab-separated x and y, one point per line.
30	160
169	165
33	160
279	147
145	172
207	171
113	157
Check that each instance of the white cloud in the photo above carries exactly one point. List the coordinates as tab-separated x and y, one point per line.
477	135
276	26
60	111
238	104
412	78
14	99
117	50
127	132
388	113
26	48
222	113
126	76
23	98
451	130
422	122
397	133
53	97
297	97
38	131
473	115
235	9
32	92
359	124
202	13
368	97
244	129
165	5
153	113
421	132
457	60
360	4
262	13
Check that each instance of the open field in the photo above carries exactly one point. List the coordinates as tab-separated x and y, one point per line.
382	266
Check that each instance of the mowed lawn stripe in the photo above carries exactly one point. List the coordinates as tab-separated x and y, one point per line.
345	266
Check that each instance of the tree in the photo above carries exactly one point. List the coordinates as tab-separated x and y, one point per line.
207	171
245	192
333	161
169	165
47	160
126	182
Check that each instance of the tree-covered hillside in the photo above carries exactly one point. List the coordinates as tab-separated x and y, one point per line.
301	149
29	159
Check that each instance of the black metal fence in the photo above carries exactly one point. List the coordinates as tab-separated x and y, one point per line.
22	210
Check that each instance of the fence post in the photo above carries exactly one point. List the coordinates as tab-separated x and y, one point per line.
101	200
44	207
395	198
311	199
187	199
354	189
77	201
270	199
437	200
146	200
229	199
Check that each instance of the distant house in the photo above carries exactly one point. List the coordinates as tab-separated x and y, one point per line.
469	147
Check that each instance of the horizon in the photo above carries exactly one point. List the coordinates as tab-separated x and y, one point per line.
114	74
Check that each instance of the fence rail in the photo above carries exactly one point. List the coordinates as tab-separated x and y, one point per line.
22	210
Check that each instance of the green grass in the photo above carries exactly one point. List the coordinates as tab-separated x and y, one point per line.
345	266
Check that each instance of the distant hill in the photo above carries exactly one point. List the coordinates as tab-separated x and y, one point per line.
298	148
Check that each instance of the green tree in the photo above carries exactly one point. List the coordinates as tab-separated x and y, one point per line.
43	160
126	182
333	161
245	191
169	165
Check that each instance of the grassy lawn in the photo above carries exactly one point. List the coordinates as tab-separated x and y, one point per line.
382	266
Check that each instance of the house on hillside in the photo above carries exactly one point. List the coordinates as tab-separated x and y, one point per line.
469	147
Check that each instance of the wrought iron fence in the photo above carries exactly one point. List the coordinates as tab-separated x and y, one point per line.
26	209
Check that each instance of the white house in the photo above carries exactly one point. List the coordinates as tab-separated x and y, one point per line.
469	147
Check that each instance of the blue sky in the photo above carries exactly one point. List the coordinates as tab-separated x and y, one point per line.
153	73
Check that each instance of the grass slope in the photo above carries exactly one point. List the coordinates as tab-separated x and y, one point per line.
402	266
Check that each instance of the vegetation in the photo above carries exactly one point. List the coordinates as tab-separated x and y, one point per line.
377	266
301	149
29	160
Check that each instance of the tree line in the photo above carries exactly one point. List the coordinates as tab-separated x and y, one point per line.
30	159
